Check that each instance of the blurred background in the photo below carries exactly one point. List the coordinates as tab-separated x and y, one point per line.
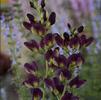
13	35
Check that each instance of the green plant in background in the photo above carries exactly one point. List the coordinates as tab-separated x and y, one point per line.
57	77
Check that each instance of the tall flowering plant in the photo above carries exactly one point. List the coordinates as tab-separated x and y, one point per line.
58	77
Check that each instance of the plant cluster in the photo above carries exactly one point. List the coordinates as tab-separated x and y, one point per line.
59	76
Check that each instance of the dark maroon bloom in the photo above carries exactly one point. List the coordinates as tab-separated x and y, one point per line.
54	84
48	40
32	45
58	85
31	67
89	41
44	15
75	58
52	18
58	39
30	17
66	36
61	73
49	83
27	25
32	5
56	51
76	82
32	81
37	93
82	40
42	3
66	39
80	29
69	26
69	96
39	27
61	61
74	42
49	55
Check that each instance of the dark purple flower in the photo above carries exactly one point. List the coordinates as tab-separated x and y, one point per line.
54	84
69	96
58	85
52	18
74	42
68	25
31	81
49	55
56	51
27	25
37	93
42	3
49	83
31	68
76	82
31	18
39	28
32	45
58	39
61	61
44	15
66	39
89	41
47	41
63	74
82	40
75	58
80	29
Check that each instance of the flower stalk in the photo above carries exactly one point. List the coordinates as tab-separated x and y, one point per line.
60	69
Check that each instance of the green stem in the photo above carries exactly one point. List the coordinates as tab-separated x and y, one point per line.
64	90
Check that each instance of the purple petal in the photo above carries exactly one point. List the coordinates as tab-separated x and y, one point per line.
27	25
30	17
52	18
58	39
80	29
76	82
69	96
37	93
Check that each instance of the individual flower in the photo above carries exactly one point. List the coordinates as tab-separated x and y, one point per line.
31	68
66	39
31	81
84	41
52	18
49	55
32	45
54	85
59	40
61	61
37	93
34	26
47	41
44	15
74	42
31	18
76	59
69	96
50	58
63	74
80	29
89	41
77	82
